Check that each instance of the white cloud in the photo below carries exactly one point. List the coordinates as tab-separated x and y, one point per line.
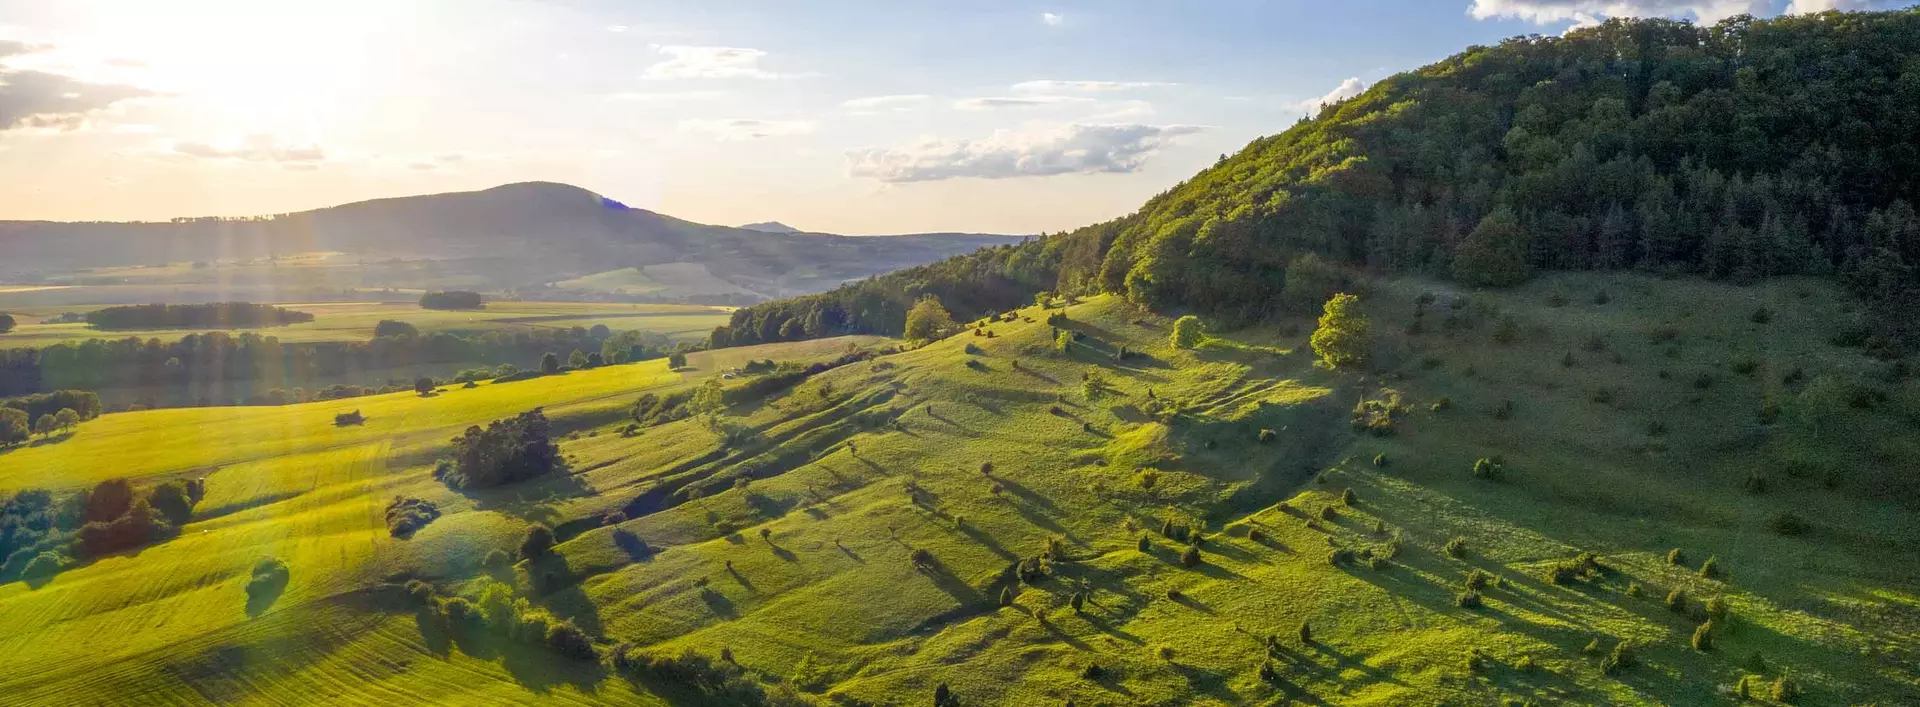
1801	7
1068	149
689	62
1592	11
1057	86
255	148
617	29
746	128
997	102
53	102
1053	19
1347	89
875	104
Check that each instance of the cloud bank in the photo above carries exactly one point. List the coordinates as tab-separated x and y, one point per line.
1068	149
47	101
746	128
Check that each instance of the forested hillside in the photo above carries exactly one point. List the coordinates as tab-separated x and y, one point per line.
1743	150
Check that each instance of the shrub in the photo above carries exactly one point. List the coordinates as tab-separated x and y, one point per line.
1788	524
1467	600
614	518
1620	659
1717	608
1380	460
1327	513
408	515
457	609
269	577
1635	590
1341	339
1256	535
1489	468
1562	573
1703	381
1341	556
921	558
1187	332
1091	672
43	565
1504	411
1306	633
1191	557
1785	689
1267	436
569	641
1761	316
1567	360
1677	601
1347	498
1441	404
1756	482
421	592
1477	580
1456	547
497	558
1676	558
1711	568
538	543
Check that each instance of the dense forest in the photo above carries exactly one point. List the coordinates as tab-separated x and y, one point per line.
200	361
1748	149
219	315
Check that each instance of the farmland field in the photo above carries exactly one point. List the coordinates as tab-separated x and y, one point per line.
354	321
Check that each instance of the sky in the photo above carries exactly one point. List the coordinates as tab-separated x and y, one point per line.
844	116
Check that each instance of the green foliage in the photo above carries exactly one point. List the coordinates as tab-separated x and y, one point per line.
1489	468
1618	661
1456	547
1495	253
1702	637
1188	332
1711	568
928	319
405	516
1467	600
269	577
1784	689
1788	523
1191	556
507	451
538	542
1342	338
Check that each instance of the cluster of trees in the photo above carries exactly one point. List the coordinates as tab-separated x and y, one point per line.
208	363
1738	151
507	451
452	299
41	533
45	414
218	315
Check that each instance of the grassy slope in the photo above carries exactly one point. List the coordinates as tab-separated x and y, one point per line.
1838	608
354	321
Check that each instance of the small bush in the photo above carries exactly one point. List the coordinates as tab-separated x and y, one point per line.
1756	483
1347	498
1456	547
349	418
1327	513
1467	600
43	565
1441	404
1557	299
457	609
1761	316
1635	590
1562	573
269	577
1489	468
1619	660
1785	689
1477	580
538	543
1788	524
1676	558
1267	436
569	641
1341	556
1677	601
405	516
1191	557
497	559
1253	534
1711	568
1504	410
1380	460
1703	381
1506	331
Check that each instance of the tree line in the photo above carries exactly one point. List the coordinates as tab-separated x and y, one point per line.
452	299
217	315
1737	151
211	361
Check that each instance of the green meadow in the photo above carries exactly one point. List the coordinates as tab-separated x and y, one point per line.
857	538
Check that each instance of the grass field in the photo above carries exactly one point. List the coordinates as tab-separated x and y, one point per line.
354	321
793	549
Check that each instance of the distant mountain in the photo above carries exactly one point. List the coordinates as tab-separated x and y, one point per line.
524	236
771	227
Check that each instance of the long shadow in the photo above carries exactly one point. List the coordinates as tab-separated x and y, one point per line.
540	669
987	541
1209	683
433	631
573	604
742	579
955	587
782	553
718	603
1194	604
1028	495
850	553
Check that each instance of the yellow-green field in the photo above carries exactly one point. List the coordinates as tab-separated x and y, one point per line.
354	321
793	548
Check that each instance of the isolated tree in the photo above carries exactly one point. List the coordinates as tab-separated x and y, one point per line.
550	363
423	385
1495	254
1187	332
708	400
388	328
676	360
6	323
1341	339
66	419
539	542
927	319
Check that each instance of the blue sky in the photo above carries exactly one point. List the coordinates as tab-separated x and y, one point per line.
852	117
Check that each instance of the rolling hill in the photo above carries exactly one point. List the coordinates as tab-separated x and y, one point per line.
519	236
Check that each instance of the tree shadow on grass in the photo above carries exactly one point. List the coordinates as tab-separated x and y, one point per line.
530	500
539	669
943	578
